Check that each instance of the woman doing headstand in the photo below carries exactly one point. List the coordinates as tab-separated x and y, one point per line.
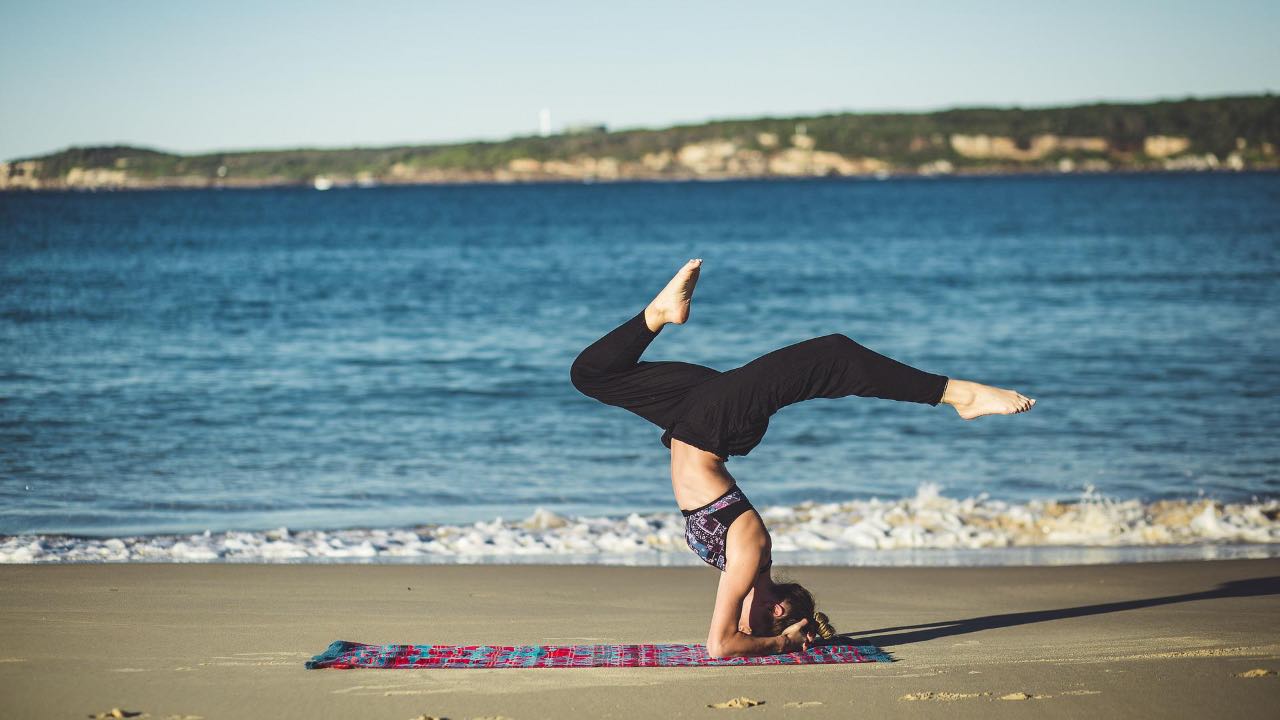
709	415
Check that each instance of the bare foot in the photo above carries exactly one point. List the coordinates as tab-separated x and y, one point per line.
973	400
672	304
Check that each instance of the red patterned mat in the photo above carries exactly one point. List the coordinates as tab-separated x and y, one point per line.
343	654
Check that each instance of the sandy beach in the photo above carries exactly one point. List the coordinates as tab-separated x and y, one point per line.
217	641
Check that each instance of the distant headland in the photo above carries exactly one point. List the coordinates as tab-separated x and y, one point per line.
1227	133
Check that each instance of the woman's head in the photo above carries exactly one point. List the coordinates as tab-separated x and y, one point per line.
797	604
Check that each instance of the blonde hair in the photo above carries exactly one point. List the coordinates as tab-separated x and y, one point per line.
802	607
822	626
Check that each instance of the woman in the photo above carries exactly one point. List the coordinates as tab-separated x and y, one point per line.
709	415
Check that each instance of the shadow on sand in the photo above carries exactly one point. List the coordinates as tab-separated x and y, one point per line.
907	634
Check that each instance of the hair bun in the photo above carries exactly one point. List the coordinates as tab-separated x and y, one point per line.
825	631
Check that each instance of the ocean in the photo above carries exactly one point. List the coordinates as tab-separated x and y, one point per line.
383	373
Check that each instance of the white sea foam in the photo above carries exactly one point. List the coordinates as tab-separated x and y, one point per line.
926	529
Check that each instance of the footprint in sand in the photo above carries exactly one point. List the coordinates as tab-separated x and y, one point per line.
940	696
738	702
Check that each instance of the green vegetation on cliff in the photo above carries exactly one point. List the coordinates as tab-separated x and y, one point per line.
1248	127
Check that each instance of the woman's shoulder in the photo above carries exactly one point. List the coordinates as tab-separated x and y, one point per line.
748	534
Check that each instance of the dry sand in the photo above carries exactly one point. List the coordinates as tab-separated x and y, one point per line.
228	641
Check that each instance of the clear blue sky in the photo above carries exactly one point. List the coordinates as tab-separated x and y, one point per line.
188	76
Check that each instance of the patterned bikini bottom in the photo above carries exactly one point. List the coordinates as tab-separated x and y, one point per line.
705	528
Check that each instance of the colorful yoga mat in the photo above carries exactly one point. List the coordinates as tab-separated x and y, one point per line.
343	654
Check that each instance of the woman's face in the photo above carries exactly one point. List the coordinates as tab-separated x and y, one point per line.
759	610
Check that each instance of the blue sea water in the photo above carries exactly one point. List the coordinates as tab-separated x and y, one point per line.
384	357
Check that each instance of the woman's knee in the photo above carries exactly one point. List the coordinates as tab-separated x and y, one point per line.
845	347
839	341
584	377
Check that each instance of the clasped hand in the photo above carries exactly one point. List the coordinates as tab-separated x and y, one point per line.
796	637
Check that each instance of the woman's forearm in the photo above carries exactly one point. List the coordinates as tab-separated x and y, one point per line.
741	644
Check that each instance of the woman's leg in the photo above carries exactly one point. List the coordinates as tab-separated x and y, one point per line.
729	414
610	369
835	366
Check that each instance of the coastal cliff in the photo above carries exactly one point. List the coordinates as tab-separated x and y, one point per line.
1234	133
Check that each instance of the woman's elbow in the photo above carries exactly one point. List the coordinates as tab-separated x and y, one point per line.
718	648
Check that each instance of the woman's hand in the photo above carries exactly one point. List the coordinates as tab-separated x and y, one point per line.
796	637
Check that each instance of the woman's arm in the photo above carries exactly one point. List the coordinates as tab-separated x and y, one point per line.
724	639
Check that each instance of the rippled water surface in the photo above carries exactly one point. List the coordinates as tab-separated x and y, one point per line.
176	361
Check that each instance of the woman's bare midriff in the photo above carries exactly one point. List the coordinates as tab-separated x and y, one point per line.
697	476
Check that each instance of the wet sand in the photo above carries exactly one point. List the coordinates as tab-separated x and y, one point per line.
1191	639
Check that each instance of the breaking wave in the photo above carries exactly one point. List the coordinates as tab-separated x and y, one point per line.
926	529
